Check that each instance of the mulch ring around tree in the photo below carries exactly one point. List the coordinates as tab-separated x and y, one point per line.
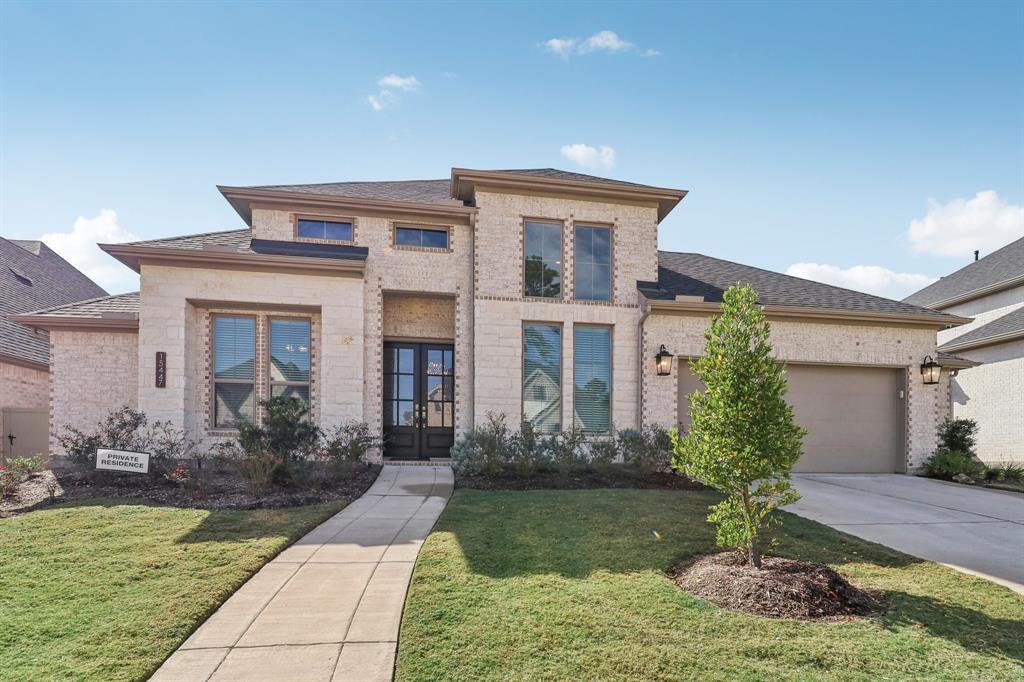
781	588
223	489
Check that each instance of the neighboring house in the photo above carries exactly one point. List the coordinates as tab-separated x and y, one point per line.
422	306
32	276
990	290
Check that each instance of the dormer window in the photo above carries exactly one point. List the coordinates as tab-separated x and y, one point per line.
333	230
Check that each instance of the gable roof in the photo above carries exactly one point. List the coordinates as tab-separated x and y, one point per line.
706	279
33	276
418	191
1006	328
999	270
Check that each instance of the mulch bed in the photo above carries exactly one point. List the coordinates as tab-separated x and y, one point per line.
782	588
224	489
578	480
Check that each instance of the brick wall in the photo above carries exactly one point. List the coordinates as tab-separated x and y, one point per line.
418	317
991	395
846	344
91	374
983	310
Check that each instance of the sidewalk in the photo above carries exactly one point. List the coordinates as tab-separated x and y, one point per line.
327	609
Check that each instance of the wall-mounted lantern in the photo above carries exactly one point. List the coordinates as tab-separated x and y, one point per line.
930	370
664	361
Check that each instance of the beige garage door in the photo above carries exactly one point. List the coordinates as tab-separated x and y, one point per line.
853	415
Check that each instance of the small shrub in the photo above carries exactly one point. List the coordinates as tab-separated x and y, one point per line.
946	464
604	452
1010	471
257	465
645	451
529	454
8	482
344	447
485	450
285	435
23	467
958	435
568	450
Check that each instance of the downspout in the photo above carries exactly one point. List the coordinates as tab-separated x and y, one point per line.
640	363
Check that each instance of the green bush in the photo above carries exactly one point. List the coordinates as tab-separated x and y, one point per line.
529	451
344	446
568	450
946	464
1010	471
959	435
645	451
23	467
604	453
486	450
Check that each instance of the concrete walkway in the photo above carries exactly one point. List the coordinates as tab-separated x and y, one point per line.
974	530
327	609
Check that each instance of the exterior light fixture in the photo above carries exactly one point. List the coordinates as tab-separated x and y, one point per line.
664	360
930	370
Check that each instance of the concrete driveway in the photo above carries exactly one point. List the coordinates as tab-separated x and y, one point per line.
974	530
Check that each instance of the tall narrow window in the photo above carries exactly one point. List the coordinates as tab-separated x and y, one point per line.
542	377
542	250
336	230
593	265
592	378
289	358
234	370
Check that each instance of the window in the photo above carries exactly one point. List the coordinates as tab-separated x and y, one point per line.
543	255
421	237
593	266
234	370
289	357
542	377
592	378
309	228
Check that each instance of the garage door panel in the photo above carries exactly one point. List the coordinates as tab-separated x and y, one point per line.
853	415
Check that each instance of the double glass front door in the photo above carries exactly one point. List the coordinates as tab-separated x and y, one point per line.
419	400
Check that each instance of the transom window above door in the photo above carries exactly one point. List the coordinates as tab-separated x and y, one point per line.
422	237
542	253
334	230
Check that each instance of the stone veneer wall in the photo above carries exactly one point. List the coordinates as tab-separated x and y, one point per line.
846	344
91	374
991	395
418	317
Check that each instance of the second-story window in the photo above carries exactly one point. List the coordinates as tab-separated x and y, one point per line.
422	237
593	264
542	251
310	228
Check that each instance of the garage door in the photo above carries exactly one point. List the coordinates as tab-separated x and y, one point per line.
853	415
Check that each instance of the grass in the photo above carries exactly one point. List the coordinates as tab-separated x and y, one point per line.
571	585
106	591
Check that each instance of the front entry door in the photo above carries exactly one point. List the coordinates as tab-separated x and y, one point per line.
419	400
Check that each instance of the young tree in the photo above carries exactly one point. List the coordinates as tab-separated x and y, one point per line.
742	438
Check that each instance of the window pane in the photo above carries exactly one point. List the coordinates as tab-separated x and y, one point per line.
234	343
435	362
324	229
532	282
542	249
435	414
601	283
435	239
311	229
339	231
592	378
593	263
233	403
289	350
406	414
435	388
405	360
542	376
449	362
404	386
405	236
301	392
584	281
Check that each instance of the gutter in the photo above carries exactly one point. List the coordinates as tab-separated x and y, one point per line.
109	322
230	258
953	346
978	293
640	364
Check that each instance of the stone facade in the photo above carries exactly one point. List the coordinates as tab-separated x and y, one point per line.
91	374
411	316
808	342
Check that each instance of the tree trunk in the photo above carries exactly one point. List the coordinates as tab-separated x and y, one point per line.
753	555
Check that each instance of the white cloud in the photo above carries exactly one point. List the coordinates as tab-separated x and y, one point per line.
386	98
590	157
78	247
407	83
871	279
602	41
985	222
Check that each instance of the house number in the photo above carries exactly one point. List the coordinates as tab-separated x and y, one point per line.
161	369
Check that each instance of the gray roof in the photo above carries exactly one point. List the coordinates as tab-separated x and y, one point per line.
556	174
33	276
116	306
692	274
416	191
1010	323
238	239
999	266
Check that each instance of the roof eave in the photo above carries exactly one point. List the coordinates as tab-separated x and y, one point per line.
936	321
957	363
979	293
463	180
954	347
241	199
135	256
70	323
24	362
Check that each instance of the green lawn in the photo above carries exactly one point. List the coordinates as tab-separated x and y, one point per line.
106	591
546	585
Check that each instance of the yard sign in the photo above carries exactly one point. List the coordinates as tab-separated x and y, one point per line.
122	460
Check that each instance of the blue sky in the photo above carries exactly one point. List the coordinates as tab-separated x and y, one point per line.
812	137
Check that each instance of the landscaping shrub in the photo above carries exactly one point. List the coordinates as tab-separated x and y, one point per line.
568	450
959	435
344	446
529	451
257	464
485	450
23	467
742	439
1010	471
8	482
126	429
946	464
645	451
604	453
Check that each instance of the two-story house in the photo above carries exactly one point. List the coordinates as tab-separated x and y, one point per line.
421	306
991	391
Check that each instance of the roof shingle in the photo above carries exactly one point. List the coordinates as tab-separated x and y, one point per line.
999	266
692	274
33	276
1011	323
416	191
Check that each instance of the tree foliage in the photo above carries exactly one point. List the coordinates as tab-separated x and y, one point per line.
742	438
